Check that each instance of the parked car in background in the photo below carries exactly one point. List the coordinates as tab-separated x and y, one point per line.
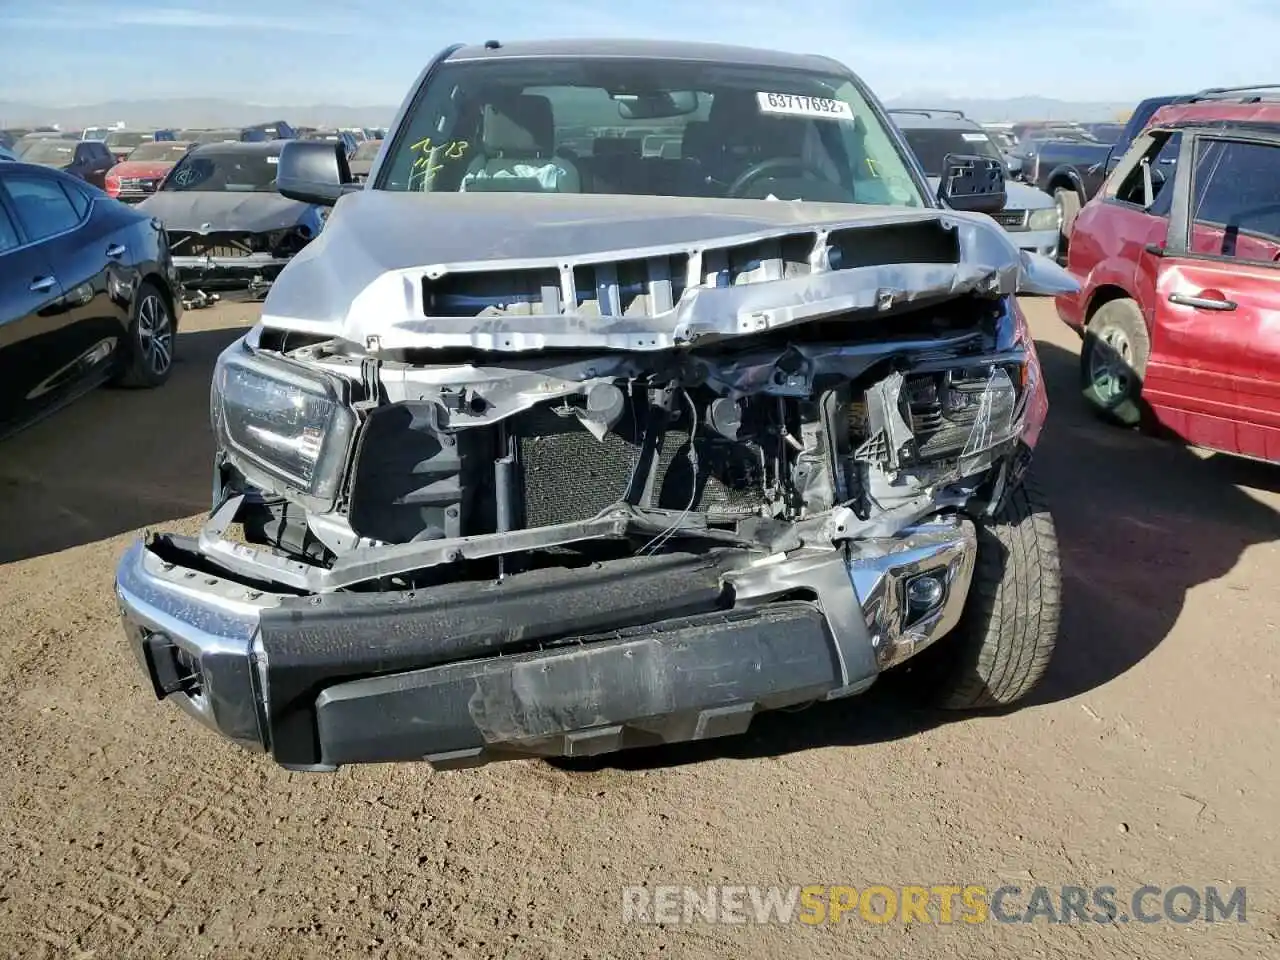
88	293
138	176
1030	215
361	161
1072	170
88	160
274	130
230	231
1178	259
23	143
218	135
1108	133
345	137
122	142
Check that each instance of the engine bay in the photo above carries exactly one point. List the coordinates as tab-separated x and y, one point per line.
810	439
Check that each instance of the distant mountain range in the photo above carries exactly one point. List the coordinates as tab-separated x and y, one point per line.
188	112
1020	108
212	112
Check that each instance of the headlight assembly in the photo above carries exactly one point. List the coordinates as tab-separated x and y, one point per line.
1047	219
278	422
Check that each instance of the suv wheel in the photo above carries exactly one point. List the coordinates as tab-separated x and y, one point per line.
1113	361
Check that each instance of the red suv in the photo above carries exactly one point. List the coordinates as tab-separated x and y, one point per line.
1178	258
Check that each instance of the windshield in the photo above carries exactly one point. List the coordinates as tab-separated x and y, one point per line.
224	171
169	150
367	150
50	152
932	144
647	127
125	138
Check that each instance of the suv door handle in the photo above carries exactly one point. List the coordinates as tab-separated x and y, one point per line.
115	251
42	284
1202	303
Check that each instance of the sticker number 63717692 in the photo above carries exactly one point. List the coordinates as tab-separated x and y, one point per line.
791	104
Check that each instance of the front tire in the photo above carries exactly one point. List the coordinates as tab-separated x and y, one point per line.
1005	639
148	354
1113	362
1068	202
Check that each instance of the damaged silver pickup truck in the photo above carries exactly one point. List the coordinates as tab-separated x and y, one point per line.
641	388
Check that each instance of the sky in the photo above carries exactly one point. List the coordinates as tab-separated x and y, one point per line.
368	52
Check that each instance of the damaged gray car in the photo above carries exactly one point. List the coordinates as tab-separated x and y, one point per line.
642	388
230	230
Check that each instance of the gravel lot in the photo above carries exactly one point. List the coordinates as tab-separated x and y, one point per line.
1149	756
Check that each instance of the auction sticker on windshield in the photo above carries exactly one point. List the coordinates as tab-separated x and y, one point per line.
793	105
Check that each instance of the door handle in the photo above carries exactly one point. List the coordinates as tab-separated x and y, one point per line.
115	251
1202	303
42	284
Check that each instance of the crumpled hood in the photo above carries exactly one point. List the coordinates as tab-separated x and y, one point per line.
387	246
191	210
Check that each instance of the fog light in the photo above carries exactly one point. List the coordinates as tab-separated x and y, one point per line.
924	593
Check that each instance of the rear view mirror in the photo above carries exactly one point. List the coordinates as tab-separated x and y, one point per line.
656	105
314	171
972	183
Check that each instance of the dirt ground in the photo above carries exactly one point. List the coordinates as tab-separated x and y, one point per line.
1149	755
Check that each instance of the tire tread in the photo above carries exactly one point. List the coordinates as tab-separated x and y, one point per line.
1007	635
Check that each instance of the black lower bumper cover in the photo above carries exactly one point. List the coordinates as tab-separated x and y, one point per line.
554	662
679	680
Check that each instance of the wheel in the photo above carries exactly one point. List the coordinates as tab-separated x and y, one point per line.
1113	361
1002	645
1068	202
148	354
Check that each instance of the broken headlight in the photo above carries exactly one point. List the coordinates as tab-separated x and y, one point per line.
959	412
279	422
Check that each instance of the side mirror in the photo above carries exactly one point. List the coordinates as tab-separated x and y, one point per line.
972	183
313	171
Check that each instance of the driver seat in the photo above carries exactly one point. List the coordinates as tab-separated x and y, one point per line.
747	136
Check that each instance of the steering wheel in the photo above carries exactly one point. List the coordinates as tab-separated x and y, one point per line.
758	171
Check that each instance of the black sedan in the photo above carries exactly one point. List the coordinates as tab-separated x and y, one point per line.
88	293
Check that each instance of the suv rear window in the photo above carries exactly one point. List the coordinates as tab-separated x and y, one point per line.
1235	200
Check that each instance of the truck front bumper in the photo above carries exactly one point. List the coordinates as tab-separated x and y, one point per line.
250	275
554	662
